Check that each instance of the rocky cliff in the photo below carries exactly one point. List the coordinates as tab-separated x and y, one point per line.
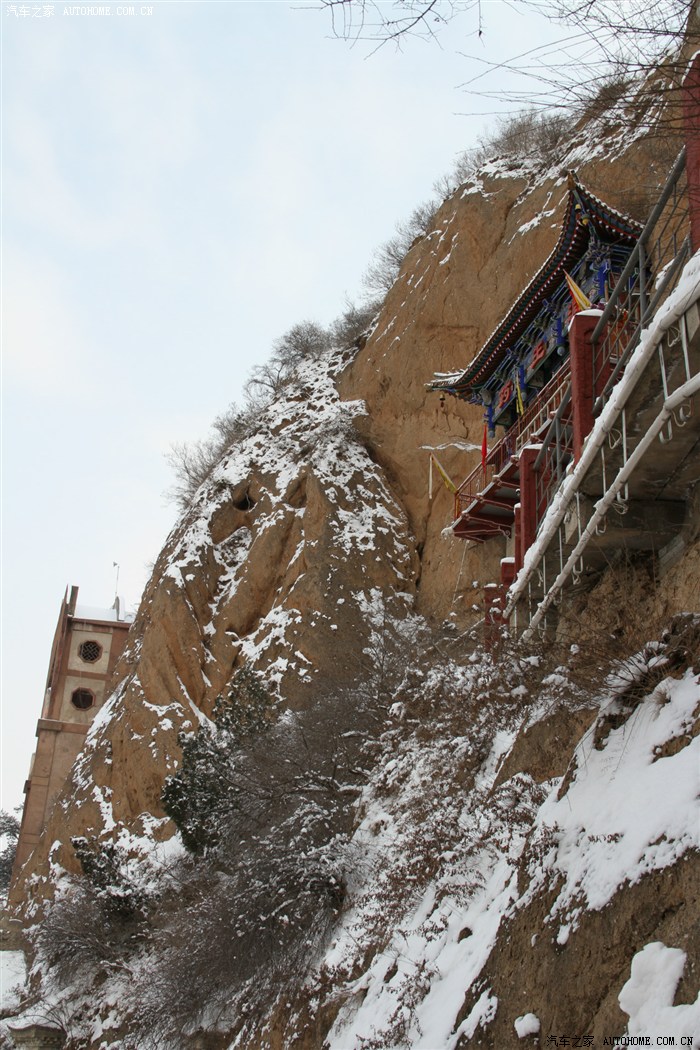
498	882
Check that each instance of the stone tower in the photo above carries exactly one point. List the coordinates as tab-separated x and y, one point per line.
86	646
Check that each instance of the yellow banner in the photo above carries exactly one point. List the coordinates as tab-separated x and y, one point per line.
449	483
577	294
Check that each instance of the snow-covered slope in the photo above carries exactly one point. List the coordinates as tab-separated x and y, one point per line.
514	853
507	847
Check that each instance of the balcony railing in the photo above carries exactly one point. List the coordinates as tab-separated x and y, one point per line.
536	415
554	457
651	273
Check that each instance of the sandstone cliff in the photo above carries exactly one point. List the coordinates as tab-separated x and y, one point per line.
311	536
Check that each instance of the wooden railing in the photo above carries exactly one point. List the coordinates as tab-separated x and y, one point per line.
537	413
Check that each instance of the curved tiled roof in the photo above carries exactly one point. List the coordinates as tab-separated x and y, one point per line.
583	210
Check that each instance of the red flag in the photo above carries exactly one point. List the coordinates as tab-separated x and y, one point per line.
484	447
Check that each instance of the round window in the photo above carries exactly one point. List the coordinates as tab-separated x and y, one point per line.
90	651
82	699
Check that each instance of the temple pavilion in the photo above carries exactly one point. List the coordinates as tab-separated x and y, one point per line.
521	375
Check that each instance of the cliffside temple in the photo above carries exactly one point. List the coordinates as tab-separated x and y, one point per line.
578	363
303	806
527	348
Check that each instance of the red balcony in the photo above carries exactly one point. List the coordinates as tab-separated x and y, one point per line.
485	501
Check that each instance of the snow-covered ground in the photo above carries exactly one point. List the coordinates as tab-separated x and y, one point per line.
648	997
448	851
12	978
629	808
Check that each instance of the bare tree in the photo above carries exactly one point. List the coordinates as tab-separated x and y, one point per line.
640	27
601	40
380	22
304	340
604	44
388	258
354	323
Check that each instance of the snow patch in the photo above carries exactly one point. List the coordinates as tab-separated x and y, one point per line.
647	997
13	974
528	1024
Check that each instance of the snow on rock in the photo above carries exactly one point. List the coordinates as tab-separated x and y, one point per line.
415	987
629	808
648	995
315	503
482	1013
528	1024
296	555
265	568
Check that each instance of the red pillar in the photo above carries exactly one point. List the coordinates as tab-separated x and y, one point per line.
691	120
582	392
507	572
518	545
528	498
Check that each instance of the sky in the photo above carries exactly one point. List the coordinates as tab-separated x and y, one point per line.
181	183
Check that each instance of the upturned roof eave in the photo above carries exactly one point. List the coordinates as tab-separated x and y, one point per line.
569	249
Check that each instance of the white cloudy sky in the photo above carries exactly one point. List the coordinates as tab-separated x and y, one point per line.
178	189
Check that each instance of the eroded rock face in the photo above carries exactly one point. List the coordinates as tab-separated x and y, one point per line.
313	526
289	550
488	241
325	510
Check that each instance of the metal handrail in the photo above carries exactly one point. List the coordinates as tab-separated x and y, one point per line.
553	458
631	305
570	521
657	210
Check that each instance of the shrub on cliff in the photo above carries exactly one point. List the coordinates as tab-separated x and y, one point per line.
528	135
254	915
212	780
107	870
303	341
388	258
265	808
9	833
76	935
193	462
99	918
352	327
244	776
